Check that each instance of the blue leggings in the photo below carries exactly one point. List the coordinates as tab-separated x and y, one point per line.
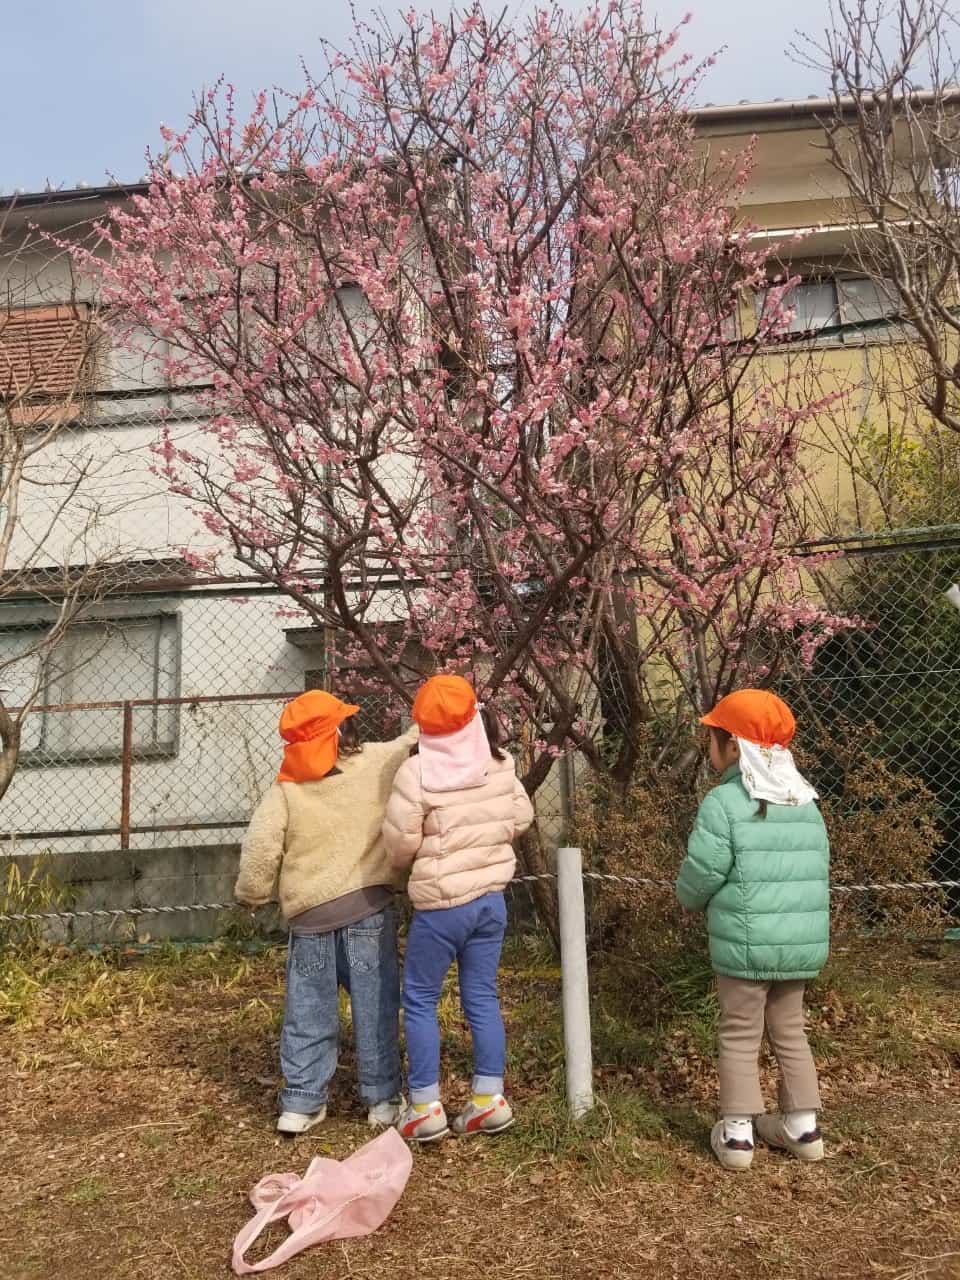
473	936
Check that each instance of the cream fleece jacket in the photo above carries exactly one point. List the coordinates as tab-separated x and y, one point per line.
322	839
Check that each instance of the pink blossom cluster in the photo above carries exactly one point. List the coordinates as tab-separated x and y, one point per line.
469	321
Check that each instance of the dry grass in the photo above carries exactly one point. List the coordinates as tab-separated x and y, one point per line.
137	1095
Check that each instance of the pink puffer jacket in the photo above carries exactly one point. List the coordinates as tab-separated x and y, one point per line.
460	843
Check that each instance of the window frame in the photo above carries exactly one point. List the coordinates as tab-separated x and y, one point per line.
167	748
844	331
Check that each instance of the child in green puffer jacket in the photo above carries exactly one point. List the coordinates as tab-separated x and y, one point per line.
758	863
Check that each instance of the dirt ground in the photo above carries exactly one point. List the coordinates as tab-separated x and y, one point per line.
137	1095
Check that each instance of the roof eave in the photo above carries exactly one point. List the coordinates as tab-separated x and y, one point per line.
804	109
73	195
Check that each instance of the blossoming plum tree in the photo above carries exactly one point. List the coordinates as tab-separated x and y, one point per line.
469	312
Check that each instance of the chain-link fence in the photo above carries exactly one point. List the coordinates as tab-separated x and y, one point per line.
155	732
158	726
155	727
879	709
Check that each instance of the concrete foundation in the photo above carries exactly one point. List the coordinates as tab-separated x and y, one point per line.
154	877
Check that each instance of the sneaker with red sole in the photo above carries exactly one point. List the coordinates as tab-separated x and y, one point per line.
423	1126
492	1118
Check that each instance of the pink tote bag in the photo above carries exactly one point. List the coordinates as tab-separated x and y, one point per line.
335	1199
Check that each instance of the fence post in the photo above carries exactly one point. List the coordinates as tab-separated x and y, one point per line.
126	761
578	1053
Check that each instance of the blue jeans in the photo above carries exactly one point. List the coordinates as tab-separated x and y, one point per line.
363	959
473	936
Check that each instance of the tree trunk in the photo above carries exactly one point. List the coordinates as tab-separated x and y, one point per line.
9	748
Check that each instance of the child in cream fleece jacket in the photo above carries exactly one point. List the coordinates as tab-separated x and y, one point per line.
316	837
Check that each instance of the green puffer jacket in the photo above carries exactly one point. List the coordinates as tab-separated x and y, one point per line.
764	883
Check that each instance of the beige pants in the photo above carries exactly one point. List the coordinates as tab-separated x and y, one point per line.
745	1009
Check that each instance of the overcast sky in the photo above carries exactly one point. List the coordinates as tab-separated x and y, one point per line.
87	82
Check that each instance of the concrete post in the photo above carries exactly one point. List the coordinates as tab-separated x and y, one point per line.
578	1053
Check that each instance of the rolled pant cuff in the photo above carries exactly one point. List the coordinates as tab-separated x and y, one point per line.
303	1104
430	1094
371	1094
742	1104
487	1084
799	1102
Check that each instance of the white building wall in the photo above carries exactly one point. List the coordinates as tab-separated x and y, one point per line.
221	756
224	754
121	509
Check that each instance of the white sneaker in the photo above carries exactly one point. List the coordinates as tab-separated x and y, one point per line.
384	1114
292	1123
732	1154
773	1131
493	1118
423	1126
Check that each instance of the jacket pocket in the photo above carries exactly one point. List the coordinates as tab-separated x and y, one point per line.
365	943
310	953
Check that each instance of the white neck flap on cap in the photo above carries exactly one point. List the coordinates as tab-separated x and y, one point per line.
451	761
769	773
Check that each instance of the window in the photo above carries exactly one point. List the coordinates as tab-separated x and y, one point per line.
349	304
107	661
864	300
836	302
47	354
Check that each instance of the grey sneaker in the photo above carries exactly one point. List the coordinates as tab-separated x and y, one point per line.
423	1126
384	1114
496	1116
732	1154
772	1130
293	1123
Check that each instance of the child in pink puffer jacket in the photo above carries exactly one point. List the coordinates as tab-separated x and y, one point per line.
454	812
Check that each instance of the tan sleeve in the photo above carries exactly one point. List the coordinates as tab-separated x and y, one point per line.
379	762
397	751
523	813
261	851
403	824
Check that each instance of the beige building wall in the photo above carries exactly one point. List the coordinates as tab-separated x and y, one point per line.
795	207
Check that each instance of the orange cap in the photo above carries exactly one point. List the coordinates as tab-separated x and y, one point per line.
755	715
309	726
445	704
